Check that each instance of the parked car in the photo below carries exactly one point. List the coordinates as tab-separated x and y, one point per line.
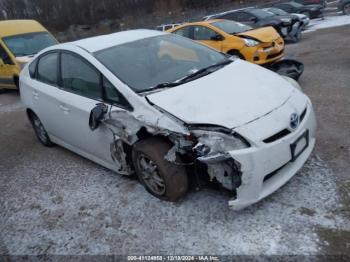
287	26
170	110
260	46
167	27
303	19
323	3
344	6
311	11
20	40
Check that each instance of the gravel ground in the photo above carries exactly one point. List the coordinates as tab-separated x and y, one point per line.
55	202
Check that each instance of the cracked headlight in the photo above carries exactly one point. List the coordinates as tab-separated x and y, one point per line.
250	42
210	142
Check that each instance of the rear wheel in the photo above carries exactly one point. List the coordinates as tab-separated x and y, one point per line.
40	130
346	9
164	180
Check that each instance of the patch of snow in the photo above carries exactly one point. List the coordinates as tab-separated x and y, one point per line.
327	22
68	205
8	108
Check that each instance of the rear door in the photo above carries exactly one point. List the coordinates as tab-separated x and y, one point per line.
45	92
7	70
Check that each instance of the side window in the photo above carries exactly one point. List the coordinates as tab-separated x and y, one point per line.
5	56
113	96
185	31
47	69
32	68
203	33
242	17
80	77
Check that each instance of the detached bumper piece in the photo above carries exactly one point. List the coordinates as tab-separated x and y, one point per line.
287	67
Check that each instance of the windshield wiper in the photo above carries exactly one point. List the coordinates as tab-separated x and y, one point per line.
188	77
162	85
204	70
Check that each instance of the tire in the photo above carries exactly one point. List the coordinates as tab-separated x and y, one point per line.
16	80
346	9
162	179
40	131
236	53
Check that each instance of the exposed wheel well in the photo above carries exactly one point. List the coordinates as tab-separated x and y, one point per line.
142	134
236	52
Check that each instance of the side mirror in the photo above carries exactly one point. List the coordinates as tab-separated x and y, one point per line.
96	115
217	38
2	62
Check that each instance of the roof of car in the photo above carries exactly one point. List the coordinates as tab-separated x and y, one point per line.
18	27
97	43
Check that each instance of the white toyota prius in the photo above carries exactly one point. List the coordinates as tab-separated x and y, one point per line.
171	111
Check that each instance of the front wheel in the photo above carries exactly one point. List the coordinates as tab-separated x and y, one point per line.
164	180
346	9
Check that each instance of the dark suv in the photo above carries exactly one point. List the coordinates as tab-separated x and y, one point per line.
312	11
288	26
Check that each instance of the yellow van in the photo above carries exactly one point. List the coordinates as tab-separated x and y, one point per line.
20	40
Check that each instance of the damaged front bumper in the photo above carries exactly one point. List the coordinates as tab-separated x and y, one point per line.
287	67
258	171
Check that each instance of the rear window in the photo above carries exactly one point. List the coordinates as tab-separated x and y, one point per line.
47	69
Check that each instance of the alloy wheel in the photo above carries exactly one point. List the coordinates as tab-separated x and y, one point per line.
150	175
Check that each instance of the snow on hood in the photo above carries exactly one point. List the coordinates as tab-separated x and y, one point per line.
230	97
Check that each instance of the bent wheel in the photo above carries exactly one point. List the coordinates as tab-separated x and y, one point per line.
164	180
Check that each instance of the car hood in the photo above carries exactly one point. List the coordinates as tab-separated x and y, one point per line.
265	34
230	97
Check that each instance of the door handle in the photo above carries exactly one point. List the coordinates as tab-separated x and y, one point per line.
64	109
35	94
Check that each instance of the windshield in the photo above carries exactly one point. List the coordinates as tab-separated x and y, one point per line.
29	44
295	4
232	27
260	13
146	63
276	11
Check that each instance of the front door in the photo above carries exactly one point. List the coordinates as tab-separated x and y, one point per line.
208	37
